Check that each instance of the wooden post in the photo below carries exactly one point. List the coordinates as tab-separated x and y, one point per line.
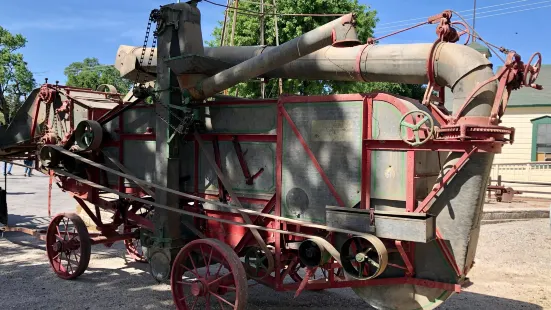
280	81
234	20
223	36
262	42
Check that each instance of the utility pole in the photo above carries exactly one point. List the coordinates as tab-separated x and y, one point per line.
474	21
224	30
262	42
280	81
235	7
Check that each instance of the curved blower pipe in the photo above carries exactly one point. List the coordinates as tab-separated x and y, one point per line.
339	33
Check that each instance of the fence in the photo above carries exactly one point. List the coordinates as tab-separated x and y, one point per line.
532	178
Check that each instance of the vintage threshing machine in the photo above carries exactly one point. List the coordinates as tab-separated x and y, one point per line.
376	192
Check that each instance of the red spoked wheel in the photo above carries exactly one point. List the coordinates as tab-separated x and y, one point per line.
463	30
207	274
532	71
292	266
68	245
134	246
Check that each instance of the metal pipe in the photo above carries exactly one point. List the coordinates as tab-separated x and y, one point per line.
328	34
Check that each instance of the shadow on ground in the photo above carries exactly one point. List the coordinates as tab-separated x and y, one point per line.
111	282
28	221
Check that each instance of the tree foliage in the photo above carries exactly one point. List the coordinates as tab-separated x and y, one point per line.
90	74
16	80
247	33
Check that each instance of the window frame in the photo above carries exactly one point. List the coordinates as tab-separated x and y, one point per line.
543	120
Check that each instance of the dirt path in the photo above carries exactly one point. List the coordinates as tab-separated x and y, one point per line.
512	271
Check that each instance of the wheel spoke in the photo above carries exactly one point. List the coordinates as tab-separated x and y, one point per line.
424	120
416	134
184	283
66	224
208	264
193	264
219	279
222	299
230	288
204	260
218	272
220	303
192	271
69	263
194	302
408	125
373	262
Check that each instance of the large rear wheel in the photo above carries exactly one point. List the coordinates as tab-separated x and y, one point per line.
207	274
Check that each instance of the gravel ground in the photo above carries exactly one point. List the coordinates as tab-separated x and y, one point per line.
512	270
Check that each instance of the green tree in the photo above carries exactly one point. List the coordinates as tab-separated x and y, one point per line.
90	74
16	81
247	33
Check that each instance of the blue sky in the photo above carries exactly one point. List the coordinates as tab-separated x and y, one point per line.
65	31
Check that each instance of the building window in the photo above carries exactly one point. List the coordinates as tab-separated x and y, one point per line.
541	139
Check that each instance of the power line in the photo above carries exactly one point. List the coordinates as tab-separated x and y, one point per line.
541	7
253	13
472	14
485	16
424	18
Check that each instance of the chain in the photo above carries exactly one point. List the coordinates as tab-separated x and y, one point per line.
152	17
48	108
185	123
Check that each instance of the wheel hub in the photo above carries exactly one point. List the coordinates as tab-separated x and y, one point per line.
199	288
360	257
58	246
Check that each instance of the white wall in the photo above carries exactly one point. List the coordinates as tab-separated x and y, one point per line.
520	118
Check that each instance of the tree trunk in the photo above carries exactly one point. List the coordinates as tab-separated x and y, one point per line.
4	106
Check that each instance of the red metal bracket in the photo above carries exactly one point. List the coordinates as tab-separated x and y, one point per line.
221	190
405	258
447	253
241	156
268	208
424	206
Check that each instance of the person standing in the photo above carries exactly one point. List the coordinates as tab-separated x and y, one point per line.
28	167
7	168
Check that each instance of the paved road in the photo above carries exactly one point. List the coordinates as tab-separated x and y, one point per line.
512	270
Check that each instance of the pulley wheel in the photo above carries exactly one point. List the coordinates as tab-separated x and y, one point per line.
159	266
73	166
256	263
402	296
220	284
68	245
364	258
48	157
88	135
107	88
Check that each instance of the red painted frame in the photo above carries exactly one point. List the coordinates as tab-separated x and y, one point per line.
243	238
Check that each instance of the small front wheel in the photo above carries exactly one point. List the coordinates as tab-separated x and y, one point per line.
68	245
